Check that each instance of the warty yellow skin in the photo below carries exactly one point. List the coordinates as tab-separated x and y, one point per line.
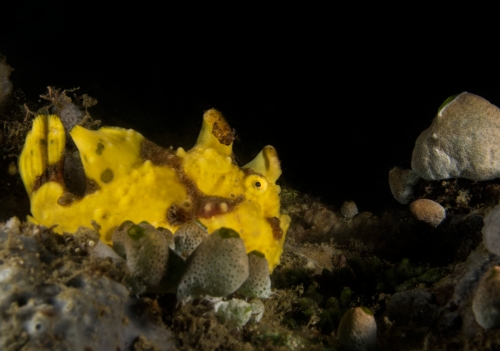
130	178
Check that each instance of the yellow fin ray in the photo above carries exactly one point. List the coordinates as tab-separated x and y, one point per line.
266	163
215	133
44	147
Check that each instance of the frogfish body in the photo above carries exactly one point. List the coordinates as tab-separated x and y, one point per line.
130	178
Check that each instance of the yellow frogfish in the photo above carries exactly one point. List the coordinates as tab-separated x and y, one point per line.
130	178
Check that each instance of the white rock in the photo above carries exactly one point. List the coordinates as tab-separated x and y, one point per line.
463	141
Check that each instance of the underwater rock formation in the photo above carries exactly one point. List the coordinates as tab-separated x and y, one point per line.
349	209
401	182
463	141
54	301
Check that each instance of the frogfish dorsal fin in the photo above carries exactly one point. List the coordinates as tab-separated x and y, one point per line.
215	133
266	163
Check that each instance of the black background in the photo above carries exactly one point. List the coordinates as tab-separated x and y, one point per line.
341	92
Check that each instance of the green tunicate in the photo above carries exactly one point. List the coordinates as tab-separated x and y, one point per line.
308	306
431	276
447	101
201	224
404	269
332	303
257	253
407	285
124	224
346	296
135	232
367	311
227	233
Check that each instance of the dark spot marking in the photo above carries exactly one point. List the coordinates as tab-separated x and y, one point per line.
67	199
159	156
53	173
275	226
91	186
43	142
107	175
100	147
177	216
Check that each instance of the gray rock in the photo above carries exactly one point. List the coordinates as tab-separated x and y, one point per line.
53	300
486	302
401	182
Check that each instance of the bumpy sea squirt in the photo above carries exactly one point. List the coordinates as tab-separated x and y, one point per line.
130	178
